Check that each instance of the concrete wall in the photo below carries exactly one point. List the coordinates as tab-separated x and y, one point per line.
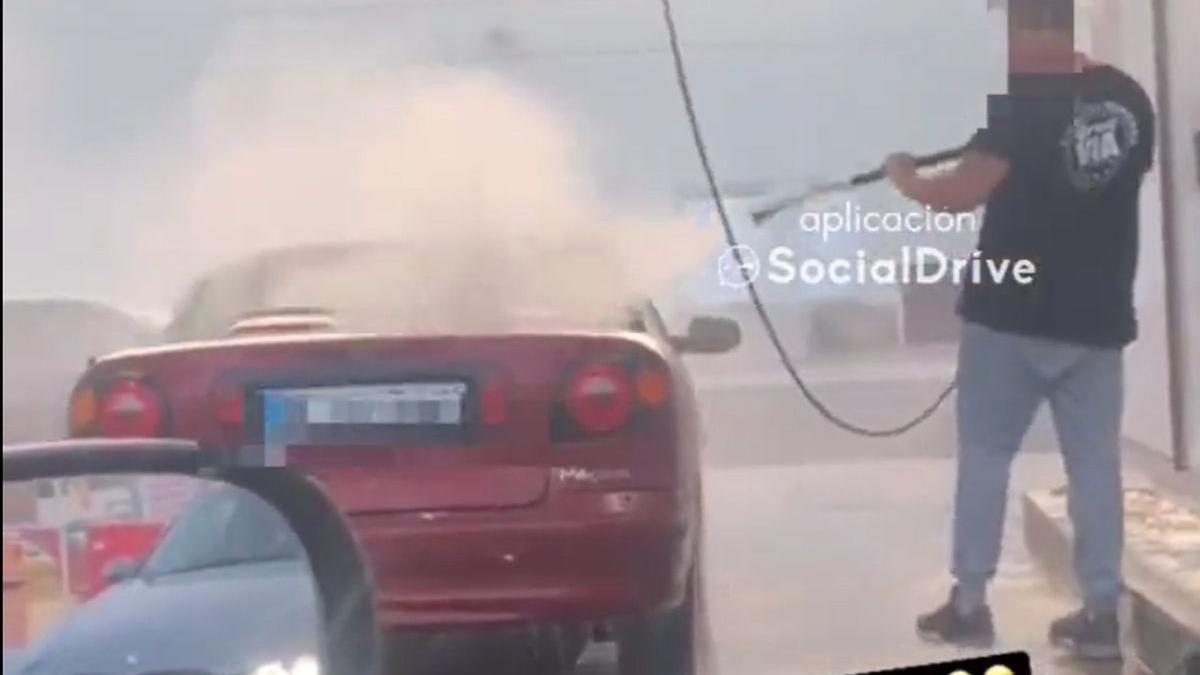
1122	33
1183	21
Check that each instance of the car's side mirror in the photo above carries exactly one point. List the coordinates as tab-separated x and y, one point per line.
119	570
709	335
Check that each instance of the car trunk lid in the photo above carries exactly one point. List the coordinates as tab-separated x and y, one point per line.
386	423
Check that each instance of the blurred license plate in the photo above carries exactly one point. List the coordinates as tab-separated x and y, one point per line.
423	403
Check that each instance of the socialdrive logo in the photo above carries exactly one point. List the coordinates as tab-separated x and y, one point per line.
738	267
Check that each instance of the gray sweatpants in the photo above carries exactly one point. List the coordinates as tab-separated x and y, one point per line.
1002	381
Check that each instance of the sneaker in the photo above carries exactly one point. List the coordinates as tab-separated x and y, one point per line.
1088	635
947	624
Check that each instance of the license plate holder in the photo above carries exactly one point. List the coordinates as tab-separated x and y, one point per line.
416	403
362	414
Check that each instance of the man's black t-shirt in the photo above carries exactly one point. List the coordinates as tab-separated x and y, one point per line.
1078	146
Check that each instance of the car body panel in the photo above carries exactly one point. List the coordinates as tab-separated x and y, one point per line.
514	512
492	524
216	620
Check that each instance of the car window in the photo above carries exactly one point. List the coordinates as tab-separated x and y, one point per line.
213	303
359	287
225	528
649	320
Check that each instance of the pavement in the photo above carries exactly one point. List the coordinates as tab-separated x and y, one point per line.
823	547
822	569
1161	568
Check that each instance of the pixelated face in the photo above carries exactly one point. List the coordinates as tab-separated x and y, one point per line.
1040	32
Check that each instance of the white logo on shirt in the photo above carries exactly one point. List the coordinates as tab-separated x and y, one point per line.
1098	142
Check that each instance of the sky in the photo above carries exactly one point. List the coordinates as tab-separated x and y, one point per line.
114	111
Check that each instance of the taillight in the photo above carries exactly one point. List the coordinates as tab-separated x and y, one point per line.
83	416
599	397
653	386
130	409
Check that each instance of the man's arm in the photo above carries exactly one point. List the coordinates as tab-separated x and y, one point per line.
966	187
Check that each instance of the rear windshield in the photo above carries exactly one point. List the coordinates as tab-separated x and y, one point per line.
388	289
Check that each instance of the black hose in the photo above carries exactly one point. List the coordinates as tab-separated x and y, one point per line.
858	180
715	192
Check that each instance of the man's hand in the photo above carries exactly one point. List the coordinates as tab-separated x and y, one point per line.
900	167
964	188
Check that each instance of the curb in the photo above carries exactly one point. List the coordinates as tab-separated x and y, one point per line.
1164	616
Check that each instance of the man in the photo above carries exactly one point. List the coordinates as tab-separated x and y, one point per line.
1059	167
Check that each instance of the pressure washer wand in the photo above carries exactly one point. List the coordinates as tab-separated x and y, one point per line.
762	215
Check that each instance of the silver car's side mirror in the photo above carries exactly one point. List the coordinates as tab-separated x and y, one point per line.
709	335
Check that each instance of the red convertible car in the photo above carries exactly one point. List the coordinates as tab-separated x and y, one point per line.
544	478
